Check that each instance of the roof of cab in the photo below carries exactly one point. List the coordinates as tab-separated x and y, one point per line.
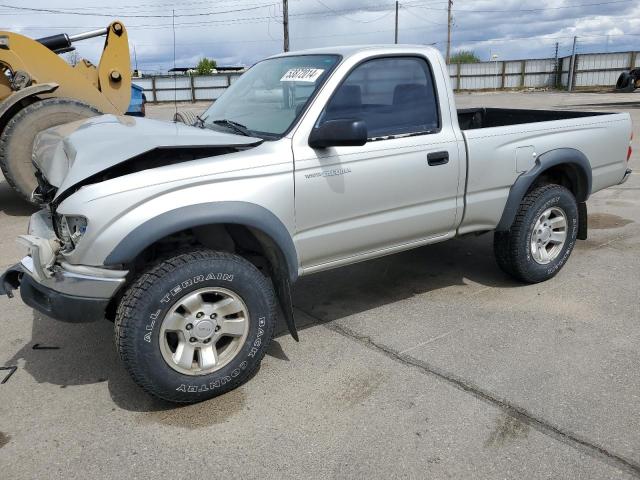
348	50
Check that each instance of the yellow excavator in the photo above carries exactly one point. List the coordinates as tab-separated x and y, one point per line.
39	90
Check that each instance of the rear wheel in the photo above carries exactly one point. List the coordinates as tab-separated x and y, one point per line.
16	141
196	325
542	236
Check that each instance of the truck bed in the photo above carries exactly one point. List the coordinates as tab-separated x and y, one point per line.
503	143
474	118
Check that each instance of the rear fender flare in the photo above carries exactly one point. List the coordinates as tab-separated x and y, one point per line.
552	158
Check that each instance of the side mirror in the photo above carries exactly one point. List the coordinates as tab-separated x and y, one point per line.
339	133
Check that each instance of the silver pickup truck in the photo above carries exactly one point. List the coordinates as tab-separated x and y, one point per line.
190	237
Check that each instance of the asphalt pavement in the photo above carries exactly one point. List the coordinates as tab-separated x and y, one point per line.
431	363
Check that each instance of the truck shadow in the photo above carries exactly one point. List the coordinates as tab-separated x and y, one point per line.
72	354
365	286
86	354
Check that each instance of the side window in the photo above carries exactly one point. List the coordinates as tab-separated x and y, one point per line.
393	95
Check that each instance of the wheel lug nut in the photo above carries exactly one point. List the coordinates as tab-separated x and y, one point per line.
213	316
192	339
206	340
217	328
199	315
189	326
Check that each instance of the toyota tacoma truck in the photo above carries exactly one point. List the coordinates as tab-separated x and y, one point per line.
190	237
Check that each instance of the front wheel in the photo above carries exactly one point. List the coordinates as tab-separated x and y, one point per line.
196	325
542	236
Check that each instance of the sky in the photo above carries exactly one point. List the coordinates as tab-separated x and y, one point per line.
241	32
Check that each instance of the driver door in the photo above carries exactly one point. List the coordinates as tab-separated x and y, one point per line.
399	188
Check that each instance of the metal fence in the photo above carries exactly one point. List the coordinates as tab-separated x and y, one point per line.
185	88
593	70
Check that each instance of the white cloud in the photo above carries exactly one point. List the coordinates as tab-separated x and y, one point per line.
486	26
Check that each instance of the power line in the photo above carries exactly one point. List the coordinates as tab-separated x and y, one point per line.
121	11
87	14
527	10
340	13
410	4
370	32
411	10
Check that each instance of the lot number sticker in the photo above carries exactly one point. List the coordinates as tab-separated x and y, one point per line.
302	75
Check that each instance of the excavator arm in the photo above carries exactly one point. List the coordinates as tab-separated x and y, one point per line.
39	90
30	62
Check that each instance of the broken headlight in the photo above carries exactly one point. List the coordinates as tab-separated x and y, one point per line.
70	229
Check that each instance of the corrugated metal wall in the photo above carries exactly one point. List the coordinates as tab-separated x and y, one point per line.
592	70
183	88
599	69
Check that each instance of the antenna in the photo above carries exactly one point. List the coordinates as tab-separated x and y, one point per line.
175	86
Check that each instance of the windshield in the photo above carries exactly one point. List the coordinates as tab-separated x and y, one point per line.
269	97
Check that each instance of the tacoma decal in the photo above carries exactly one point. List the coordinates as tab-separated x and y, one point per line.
329	173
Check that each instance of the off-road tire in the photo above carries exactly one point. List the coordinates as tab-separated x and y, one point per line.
625	83
512	249
187	117
16	140
144	305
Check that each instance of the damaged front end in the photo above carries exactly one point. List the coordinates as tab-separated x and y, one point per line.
72	293
101	148
76	155
42	249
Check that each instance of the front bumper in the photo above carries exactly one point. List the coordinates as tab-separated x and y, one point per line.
67	296
74	293
61	306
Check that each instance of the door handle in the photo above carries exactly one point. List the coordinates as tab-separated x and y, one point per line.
437	158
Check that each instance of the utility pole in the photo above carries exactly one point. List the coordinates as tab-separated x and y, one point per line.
572	66
449	21
556	68
285	23
396	41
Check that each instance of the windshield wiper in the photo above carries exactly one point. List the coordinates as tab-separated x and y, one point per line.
238	127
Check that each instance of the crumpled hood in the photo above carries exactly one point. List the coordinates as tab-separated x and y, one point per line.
68	154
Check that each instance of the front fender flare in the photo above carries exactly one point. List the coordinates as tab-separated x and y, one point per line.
173	221
560	156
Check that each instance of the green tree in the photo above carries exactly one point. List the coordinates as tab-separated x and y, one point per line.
205	66
464	56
